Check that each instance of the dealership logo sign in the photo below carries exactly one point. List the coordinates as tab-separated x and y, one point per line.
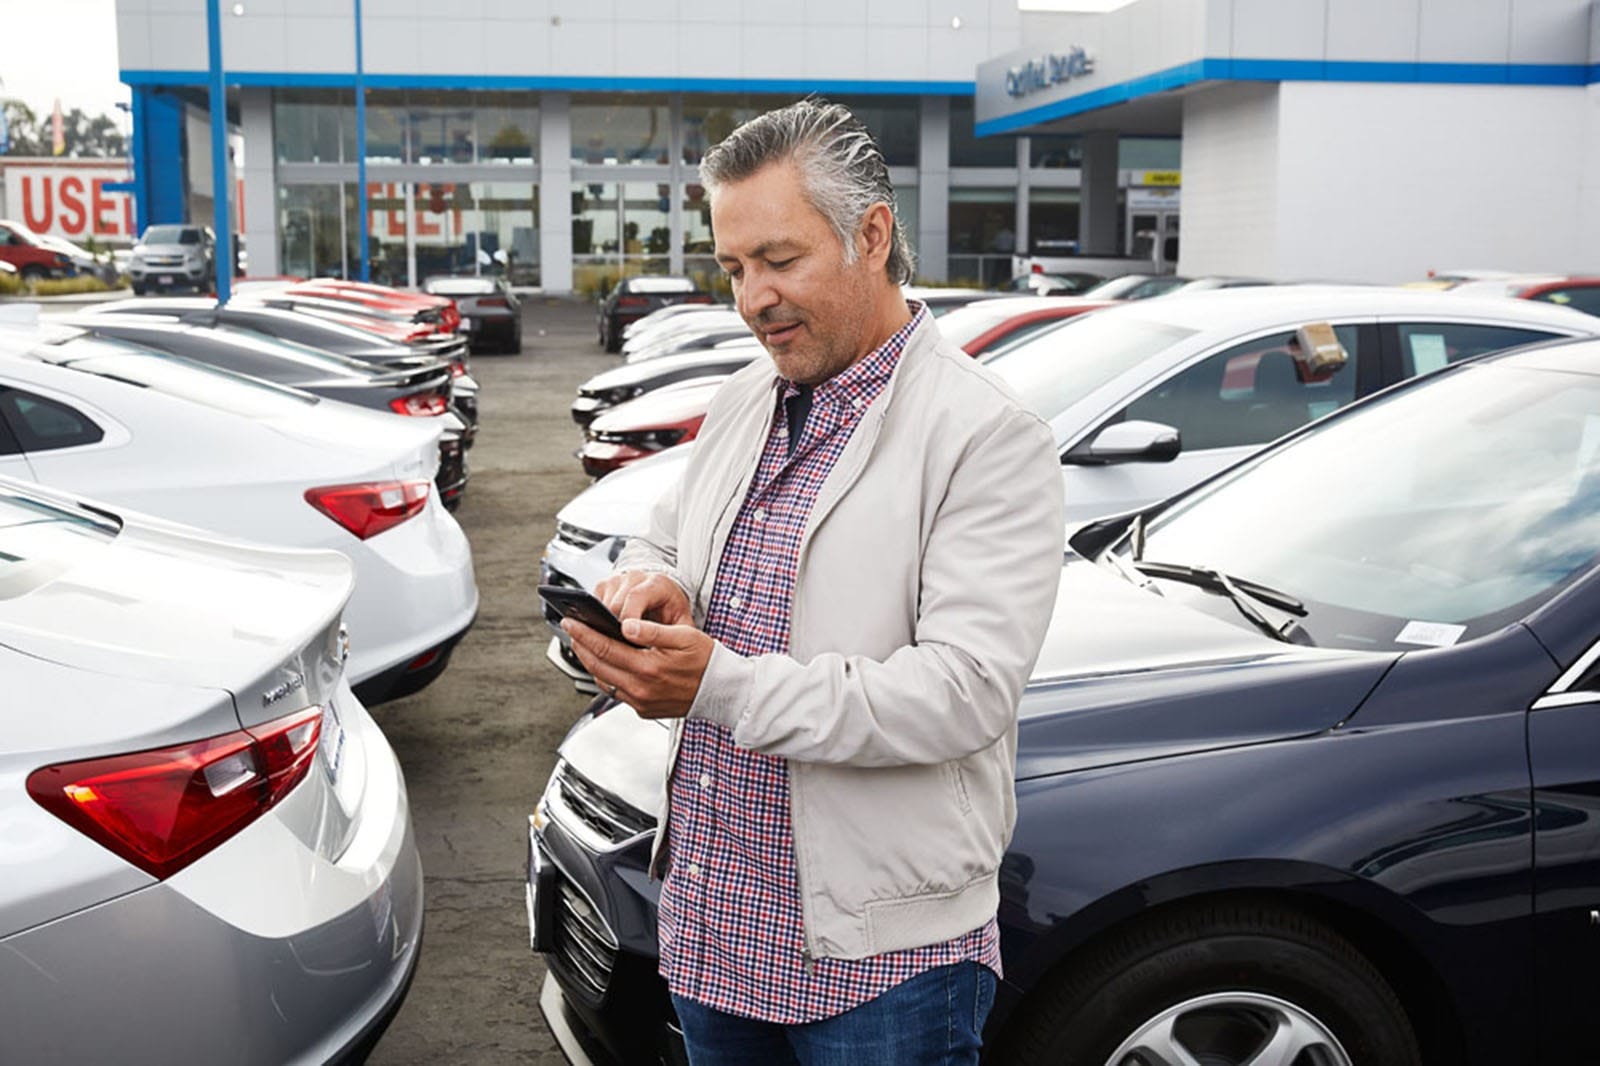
1048	70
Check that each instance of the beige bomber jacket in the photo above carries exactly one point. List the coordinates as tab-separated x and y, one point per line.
928	572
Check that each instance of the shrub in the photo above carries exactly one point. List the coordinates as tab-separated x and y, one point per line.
72	286
10	285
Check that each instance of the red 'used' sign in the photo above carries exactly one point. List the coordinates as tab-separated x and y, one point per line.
70	202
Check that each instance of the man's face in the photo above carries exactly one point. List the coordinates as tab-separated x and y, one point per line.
810	309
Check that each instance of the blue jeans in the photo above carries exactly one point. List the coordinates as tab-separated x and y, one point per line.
934	1019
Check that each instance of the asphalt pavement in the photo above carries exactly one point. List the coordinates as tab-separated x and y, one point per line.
478	744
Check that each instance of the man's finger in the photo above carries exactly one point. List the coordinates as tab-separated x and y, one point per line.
656	635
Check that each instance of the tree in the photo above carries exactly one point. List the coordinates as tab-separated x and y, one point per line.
86	137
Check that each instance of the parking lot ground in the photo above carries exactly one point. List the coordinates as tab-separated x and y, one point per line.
478	744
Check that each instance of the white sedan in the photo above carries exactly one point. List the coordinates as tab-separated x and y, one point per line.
248	459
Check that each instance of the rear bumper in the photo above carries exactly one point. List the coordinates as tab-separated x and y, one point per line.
414	675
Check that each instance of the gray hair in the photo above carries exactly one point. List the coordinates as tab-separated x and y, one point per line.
841	168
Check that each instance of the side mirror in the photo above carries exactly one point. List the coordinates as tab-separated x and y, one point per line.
1128	442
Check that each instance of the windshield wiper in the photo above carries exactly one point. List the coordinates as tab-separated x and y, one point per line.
1241	591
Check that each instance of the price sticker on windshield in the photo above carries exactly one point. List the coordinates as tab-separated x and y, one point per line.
1430	634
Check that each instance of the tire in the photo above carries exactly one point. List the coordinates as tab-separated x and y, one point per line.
611	338
138	288
33	273
1241	968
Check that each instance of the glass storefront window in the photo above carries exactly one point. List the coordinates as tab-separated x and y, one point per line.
500	232
386	128
1053	221
440	126
619	229
314	125
1055	152
316	234
508	127
982	235
620	128
967	149
1150	153
895	122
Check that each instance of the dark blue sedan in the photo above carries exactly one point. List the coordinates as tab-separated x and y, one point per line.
1305	775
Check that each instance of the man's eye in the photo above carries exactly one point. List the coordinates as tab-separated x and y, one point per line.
782	264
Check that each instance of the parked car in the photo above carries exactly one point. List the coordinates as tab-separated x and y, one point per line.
635	297
984	325
170	257
1038	283
35	261
580	555
1578	293
1327	725
208	843
687	333
491	314
83	261
628	382
437	312
248	459
312	331
662	315
1136	287
1150	397
661	419
421	392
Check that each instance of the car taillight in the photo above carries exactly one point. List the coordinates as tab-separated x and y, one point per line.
163	809
700	300
458	370
420	403
493	301
370	508
632	301
420	334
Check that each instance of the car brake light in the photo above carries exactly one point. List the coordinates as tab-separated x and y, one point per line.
493	301
370	508
631	301
163	809
420	403
458	370
700	300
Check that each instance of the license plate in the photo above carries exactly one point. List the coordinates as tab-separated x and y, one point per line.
164	279
466	325
331	744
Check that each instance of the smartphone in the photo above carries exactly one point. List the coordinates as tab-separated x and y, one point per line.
579	604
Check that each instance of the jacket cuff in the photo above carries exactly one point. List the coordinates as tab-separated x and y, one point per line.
724	688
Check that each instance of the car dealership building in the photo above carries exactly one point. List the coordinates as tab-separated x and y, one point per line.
1350	139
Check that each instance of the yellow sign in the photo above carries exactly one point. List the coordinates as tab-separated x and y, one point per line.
1163	177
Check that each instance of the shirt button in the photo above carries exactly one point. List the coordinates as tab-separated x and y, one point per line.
760	515
856	402
694	870
734	602
705	780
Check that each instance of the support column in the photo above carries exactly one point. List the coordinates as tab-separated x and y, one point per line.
933	190
1023	244
674	197
1098	214
260	181
160	167
555	192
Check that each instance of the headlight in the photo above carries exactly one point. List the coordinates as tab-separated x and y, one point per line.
621	394
659	439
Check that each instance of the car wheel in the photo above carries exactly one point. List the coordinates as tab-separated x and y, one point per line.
613	339
32	274
1222	985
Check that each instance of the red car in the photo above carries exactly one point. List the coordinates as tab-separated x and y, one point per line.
1580	294
984	325
436	311
654	422
21	247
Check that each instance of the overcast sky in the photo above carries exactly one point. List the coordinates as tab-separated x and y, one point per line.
60	48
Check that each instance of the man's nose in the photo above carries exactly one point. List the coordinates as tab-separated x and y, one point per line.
756	294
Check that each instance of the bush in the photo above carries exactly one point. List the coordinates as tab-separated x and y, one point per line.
73	286
10	285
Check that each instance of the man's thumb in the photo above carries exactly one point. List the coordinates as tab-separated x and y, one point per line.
655	635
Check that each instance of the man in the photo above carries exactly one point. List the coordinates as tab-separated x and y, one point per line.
840	607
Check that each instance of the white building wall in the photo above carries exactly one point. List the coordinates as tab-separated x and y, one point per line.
1383	182
260	206
1230	181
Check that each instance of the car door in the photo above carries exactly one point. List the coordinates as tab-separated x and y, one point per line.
1225	406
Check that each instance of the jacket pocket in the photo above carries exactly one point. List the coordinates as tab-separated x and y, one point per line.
958	785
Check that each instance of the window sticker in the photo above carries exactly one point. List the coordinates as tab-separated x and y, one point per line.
1431	634
1428	352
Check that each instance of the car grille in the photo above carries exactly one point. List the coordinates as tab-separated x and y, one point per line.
599	810
577	536
586	948
164	261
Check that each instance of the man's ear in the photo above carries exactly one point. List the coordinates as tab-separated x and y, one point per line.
876	235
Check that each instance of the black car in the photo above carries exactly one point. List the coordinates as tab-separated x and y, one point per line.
491	314
633	298
1308	772
416	391
313	331
632	380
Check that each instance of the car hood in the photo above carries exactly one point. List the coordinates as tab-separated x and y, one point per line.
618	505
169	249
1126	675
170	604
675	367
668	406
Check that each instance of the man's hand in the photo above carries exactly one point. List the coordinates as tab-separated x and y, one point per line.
660	679
653	597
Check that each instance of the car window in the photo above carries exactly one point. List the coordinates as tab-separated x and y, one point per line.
43	425
1427	346
1585	298
1508	452
1249	393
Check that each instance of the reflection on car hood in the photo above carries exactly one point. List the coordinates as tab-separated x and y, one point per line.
684	364
1126	675
618	505
622	753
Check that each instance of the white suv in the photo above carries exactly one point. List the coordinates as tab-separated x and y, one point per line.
168	257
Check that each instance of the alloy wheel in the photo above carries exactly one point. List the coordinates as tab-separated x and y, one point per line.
1232	1029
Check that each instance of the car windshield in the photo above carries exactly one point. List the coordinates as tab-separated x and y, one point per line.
171	235
1441	513
41	539
1055	369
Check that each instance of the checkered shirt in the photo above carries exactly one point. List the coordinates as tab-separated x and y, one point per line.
730	919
